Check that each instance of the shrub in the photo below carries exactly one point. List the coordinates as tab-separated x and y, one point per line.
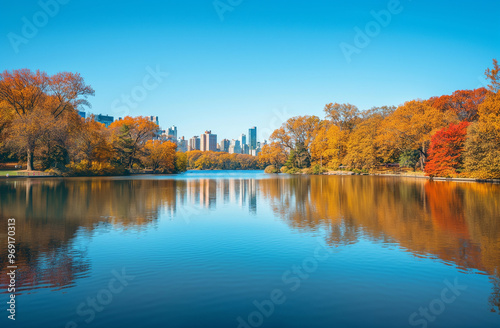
291	170
317	169
271	169
86	168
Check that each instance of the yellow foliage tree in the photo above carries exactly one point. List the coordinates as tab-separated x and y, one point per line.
411	126
272	154
361	147
482	147
160	156
129	135
326	148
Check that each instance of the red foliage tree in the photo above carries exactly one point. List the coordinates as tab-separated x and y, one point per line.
445	152
463	103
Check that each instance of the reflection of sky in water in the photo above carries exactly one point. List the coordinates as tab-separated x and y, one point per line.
204	245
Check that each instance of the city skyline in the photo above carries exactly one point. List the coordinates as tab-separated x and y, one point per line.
185	143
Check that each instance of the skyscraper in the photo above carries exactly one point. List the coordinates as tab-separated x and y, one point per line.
243	139
235	147
208	141
172	132
182	145
252	138
104	119
153	119
224	145
194	143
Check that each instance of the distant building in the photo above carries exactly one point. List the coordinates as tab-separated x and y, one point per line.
203	142
172	132
162	135
104	119
182	145
153	119
81	113
194	143
245	149
208	141
235	147
224	145
243	139
252	138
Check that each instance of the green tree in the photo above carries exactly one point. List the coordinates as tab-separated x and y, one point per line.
409	159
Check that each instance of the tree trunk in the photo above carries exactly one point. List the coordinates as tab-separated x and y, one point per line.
422	157
29	159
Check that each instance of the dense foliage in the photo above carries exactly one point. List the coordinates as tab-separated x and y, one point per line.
40	125
209	160
446	150
449	136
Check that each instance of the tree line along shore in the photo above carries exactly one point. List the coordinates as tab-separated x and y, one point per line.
455	135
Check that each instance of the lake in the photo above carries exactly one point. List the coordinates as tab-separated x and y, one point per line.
246	249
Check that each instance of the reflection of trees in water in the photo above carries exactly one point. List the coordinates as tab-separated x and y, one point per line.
49	213
451	221
455	222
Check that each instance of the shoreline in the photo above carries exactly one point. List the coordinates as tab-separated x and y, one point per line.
493	181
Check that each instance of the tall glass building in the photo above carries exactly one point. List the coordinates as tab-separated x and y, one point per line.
252	138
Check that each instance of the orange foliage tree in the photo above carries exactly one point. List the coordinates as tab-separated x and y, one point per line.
91	141
272	154
160	156
411	126
129	136
446	150
463	103
38	97
295	136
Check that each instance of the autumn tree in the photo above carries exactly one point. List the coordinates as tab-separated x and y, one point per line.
91	142
160	156
482	147
272	154
36	96
362	148
129	136
6	117
493	75
55	144
462	103
297	135
446	150
180	162
326	148
345	116
332	136
411	126
28	131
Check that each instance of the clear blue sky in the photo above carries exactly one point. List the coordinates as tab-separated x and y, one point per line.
266	59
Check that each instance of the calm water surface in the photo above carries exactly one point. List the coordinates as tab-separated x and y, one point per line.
245	249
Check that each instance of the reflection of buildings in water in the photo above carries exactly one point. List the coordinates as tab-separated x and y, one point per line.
252	202
456	223
206	193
